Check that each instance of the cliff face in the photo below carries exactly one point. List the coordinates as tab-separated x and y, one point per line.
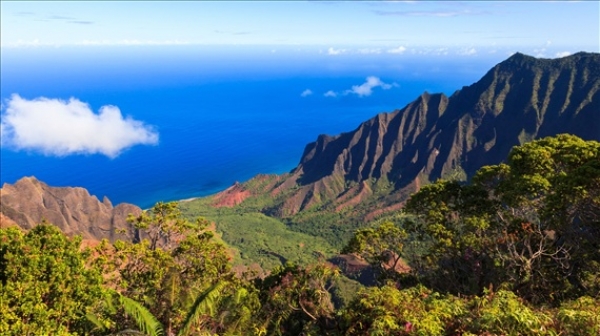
435	136
29	201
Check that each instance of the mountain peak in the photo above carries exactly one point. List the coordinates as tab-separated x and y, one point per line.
435	136
519	57
522	60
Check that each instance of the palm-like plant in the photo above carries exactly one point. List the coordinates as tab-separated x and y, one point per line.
203	310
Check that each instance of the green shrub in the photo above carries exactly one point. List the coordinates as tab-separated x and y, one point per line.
504	313
580	317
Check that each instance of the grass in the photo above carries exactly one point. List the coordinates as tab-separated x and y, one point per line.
259	238
318	232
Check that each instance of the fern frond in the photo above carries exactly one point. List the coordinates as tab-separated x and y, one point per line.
240	295
110	303
144	318
94	320
129	332
206	303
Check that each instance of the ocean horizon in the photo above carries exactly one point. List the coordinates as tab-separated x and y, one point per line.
222	114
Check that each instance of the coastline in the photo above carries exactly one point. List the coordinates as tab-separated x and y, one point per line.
187	199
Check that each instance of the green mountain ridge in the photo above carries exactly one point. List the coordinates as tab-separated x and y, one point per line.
520	99
345	181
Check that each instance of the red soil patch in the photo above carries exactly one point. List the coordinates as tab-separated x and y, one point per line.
231	196
6	222
374	214
363	192
349	263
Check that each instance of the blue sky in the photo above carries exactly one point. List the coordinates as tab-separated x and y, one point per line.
544	28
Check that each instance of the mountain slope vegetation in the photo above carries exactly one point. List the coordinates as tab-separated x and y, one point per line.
513	252
343	182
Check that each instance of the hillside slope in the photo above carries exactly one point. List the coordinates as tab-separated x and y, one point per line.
359	175
29	201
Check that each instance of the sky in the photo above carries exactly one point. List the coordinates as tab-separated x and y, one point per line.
93	78
540	28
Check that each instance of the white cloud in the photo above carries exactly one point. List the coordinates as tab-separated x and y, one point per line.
369	51
467	52
330	94
399	50
27	44
440	51
332	51
60	128
306	93
563	54
540	52
366	88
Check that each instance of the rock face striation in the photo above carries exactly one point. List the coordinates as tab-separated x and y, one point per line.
29	201
391	155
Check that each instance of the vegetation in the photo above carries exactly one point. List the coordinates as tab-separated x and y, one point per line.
515	252
531	225
301	238
46	286
258	238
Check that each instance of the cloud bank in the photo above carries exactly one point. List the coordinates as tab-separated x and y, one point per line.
334	52
399	50
57	127
369	51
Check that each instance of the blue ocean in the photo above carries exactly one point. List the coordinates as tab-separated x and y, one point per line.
223	114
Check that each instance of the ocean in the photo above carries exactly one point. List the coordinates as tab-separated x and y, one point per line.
223	113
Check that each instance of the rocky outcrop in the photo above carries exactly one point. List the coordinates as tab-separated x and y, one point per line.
28	202
356	268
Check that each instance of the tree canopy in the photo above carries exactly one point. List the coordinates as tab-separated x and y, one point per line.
516	251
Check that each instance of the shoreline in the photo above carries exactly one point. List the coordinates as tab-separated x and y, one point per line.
186	199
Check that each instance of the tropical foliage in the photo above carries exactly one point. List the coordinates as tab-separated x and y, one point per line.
531	225
514	252
46	284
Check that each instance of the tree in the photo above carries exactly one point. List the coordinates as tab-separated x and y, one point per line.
382	247
47	286
531	224
455	222
549	196
387	310
297	300
174	263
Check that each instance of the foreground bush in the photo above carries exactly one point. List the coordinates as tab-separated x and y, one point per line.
46	287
